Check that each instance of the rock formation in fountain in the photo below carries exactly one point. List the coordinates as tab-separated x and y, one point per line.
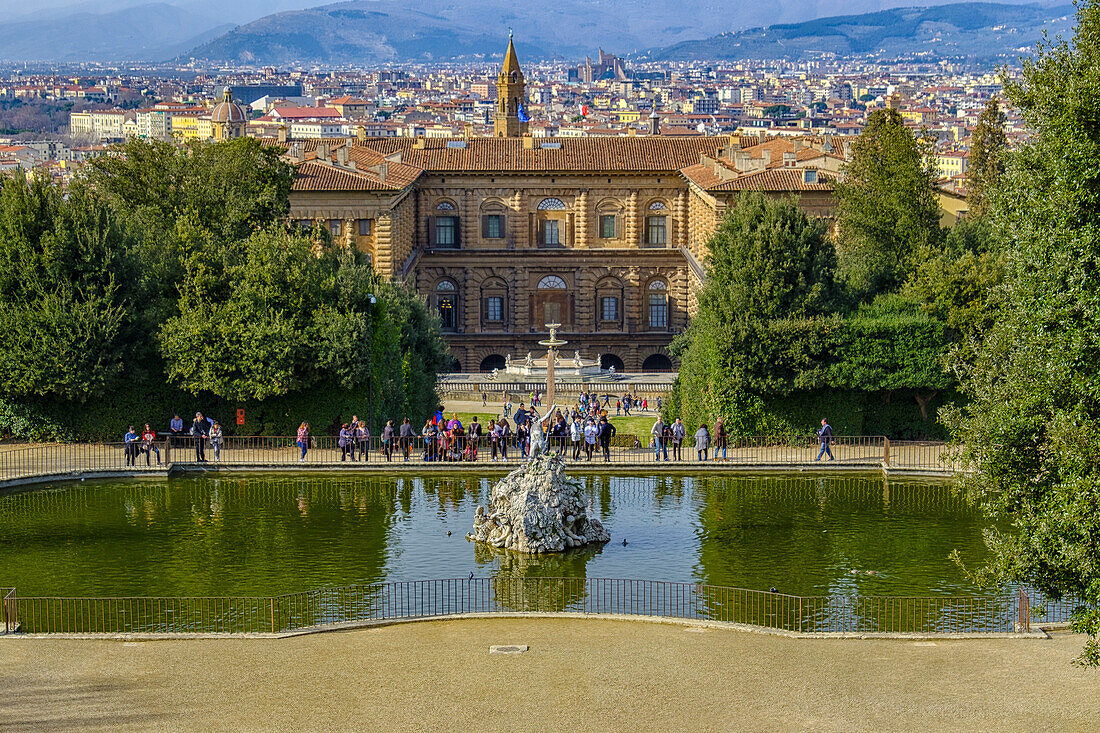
537	508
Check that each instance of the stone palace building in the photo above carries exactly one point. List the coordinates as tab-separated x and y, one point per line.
504	234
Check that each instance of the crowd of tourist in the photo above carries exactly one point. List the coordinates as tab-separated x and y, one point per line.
583	429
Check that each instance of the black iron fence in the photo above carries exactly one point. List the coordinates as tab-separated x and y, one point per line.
855	452
504	594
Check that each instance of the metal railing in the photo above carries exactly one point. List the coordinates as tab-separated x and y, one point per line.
505	594
9	610
855	452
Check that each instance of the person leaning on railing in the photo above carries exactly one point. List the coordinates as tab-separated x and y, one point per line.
200	427
607	432
387	440
702	442
407	434
659	439
149	443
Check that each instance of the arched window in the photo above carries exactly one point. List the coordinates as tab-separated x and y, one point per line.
443	227
551	205
658	304
656	225
446	303
609	304
494	302
493	220
552	282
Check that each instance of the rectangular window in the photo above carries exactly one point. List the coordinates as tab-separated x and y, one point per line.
655	230
494	226
609	309
447	311
334	227
658	311
494	308
607	226
550	232
364	227
446	231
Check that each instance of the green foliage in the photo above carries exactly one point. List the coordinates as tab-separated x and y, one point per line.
768	259
886	206
986	163
777	110
957	283
63	309
230	188
1032	426
163	285
772	347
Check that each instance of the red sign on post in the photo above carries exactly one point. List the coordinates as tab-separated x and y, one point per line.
240	416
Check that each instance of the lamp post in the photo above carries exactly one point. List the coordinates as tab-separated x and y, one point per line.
551	343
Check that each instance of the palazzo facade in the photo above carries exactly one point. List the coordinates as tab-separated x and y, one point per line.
503	235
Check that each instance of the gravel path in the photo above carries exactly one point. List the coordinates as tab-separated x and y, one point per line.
578	675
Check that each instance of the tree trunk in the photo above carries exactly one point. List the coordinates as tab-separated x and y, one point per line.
922	402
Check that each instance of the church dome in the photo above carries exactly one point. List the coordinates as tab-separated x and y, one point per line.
227	110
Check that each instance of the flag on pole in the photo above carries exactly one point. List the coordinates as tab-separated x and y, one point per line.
522	114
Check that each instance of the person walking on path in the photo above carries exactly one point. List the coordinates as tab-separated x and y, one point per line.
216	441
131	448
719	438
362	439
303	440
659	444
346	442
702	442
679	432
607	432
199	429
388	434
407	435
825	435
149	444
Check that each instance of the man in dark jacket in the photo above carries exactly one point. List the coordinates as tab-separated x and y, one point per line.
825	435
199	429
607	432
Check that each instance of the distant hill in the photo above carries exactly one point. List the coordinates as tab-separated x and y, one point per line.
976	30
371	31
149	32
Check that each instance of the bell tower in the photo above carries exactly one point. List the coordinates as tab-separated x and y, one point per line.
510	119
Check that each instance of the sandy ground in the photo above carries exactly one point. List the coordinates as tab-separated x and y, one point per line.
578	675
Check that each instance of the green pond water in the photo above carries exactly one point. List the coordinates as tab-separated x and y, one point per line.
271	534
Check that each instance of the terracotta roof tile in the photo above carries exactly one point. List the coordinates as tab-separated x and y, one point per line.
783	179
316	176
611	154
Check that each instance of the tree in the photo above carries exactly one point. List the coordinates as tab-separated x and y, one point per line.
768	260
64	270
1031	430
986	163
886	206
777	110
273	316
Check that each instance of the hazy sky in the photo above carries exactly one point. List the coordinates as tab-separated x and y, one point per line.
230	10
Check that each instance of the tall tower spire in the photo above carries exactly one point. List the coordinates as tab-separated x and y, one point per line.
510	119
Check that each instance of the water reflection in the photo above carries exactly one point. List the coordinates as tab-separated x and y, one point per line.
270	534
